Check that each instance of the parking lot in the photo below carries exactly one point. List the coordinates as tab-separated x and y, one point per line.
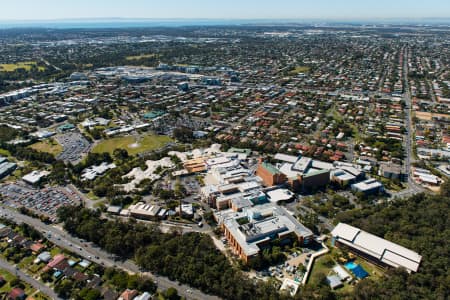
74	146
191	184
44	201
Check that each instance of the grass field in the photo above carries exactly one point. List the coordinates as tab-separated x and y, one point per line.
49	146
142	56
145	143
20	65
319	268
4	152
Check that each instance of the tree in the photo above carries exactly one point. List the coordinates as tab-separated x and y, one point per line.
171	294
120	154
15	282
90	294
188	258
445	188
183	134
64	288
46	276
180	190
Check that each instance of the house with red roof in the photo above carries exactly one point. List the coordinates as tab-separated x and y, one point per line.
17	293
128	295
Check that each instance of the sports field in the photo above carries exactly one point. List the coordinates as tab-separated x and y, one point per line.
133	144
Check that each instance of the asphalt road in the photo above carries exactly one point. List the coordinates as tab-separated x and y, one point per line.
413	187
28	279
89	251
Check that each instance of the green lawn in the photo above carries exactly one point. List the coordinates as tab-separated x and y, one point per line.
375	272
26	262
7	288
319	268
20	65
55	251
49	146
145	143
4	152
34	268
92	196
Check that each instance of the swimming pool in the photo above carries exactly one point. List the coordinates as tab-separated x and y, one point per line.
350	265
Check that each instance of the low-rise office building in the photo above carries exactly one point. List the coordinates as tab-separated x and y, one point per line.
94	171
377	250
145	211
6	167
254	228
368	187
304	173
392	171
270	174
35	177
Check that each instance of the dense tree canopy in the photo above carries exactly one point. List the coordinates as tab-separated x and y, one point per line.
190	258
420	223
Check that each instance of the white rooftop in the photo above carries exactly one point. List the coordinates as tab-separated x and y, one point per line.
35	176
286	158
367	185
384	250
290	285
280	195
341	272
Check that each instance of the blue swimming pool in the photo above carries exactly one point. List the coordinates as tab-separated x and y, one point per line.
356	269
350	265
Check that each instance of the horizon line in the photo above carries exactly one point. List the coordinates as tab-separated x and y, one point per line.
220	19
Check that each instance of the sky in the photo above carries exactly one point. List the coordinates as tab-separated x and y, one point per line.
223	9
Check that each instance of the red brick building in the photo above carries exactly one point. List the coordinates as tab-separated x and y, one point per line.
270	174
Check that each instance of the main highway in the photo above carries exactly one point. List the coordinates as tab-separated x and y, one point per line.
91	252
413	187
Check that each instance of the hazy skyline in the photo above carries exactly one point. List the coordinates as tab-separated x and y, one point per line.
231	9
